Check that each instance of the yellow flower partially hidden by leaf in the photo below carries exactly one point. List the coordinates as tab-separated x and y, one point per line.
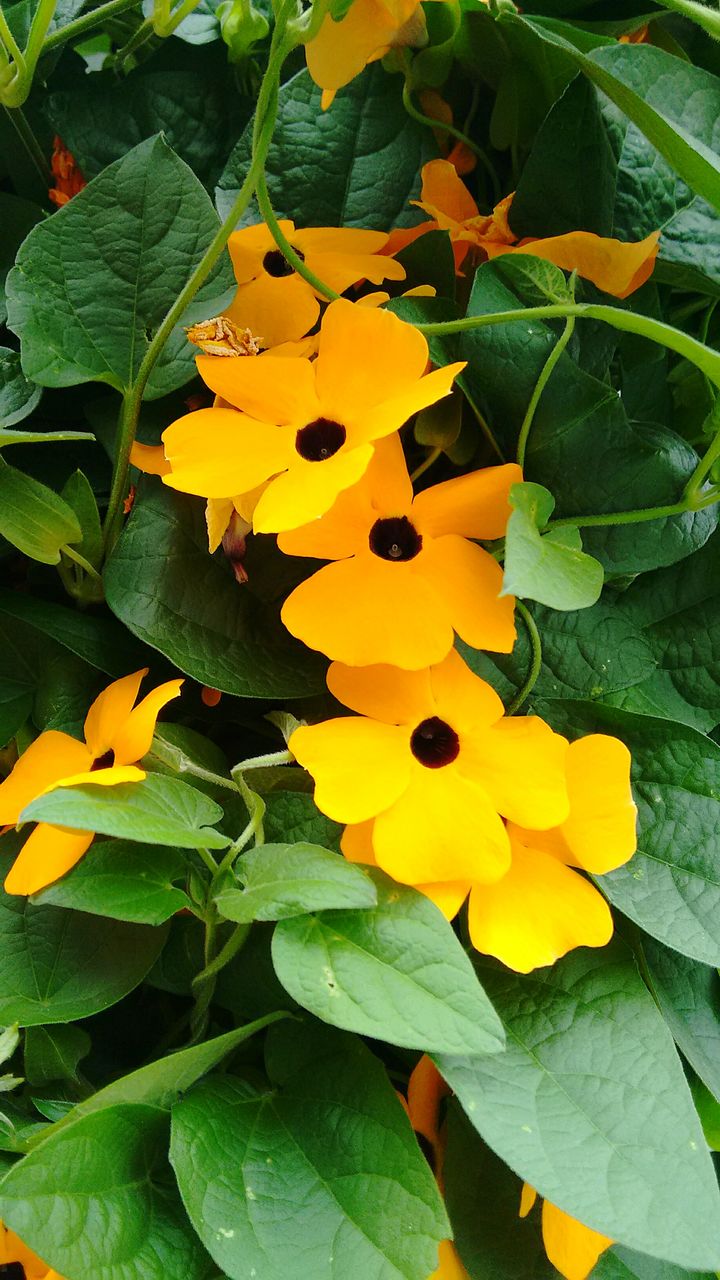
275	303
368	31
572	1248
426	1090
117	735
309	429
616	267
405	575
13	1250
434	760
542	908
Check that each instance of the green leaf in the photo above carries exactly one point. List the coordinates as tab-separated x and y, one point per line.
547	567
285	880
367	148
688	995
18	397
395	972
567	1106
107	1168
77	492
93	283
161	582
292	817
623	1264
17	217
157	810
609	69
162	1083
53	1053
98	640
358	1198
670	886
41	437
123	881
59	966
538	281
33	518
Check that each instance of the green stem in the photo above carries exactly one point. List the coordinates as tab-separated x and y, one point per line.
264	124
638	517
17	118
454	132
81	561
292	257
8	40
227	952
709	458
432	456
482	423
263	762
167	26
88	21
544	378
628	321
708	19
536	662
209	861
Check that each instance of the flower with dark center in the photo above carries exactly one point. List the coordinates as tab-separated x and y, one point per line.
320	440
435	743
105	761
277	265
405	574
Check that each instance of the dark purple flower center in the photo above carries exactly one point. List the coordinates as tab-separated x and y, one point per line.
320	439
105	761
13	1271
395	538
276	264
434	743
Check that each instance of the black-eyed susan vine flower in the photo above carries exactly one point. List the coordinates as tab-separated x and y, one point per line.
615	266
370	28
404	575
14	1251
117	735
434	760
571	1247
278	305
307	428
425	1093
542	907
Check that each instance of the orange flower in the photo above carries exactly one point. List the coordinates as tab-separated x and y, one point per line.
117	734
572	1248
274	302
68	178
368	30
541	908
310	432
425	1092
12	1250
458	153
405	576
615	267
434	761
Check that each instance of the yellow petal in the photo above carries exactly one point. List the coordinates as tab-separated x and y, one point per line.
341	49
449	1265
443	189
443	827
134	738
46	761
218	512
275	309
113	776
308	489
468	583
359	766
383	692
600	830
248	247
261	389
365	358
218	453
425	1092
149	458
527	1200
46	855
615	267
340	272
521	764
389	416
109	712
368	610
448	895
350	242
474	506
356	843
572	1247
463	699
537	913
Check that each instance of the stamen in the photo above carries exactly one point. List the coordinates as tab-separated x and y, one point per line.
276	264
319	440
434	743
395	538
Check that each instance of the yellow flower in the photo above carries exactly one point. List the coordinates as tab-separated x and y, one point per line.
368	30
12	1250
275	303
117	734
309	432
614	266
434	761
572	1248
542	908
405	576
